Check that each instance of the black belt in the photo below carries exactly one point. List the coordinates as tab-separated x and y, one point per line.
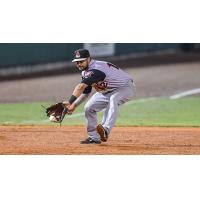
108	92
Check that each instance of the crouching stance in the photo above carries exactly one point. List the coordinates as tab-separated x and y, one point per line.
113	88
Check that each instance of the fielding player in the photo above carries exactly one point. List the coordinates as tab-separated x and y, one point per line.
113	88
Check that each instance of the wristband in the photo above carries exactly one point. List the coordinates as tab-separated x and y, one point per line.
72	99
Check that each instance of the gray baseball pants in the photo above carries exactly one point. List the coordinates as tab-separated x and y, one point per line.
110	102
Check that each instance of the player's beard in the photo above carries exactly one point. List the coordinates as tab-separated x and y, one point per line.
81	68
84	68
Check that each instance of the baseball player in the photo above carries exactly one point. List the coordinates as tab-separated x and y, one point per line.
113	87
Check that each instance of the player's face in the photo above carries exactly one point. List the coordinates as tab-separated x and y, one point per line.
82	65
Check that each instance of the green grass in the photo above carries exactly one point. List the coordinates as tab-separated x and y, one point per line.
157	112
162	112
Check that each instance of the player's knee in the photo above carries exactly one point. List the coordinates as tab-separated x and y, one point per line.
87	107
113	100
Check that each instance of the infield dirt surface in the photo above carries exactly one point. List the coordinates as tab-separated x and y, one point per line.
64	140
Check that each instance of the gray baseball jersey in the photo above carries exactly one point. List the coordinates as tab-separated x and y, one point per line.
107	76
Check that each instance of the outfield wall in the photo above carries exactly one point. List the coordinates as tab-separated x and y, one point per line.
18	59
15	54
12	55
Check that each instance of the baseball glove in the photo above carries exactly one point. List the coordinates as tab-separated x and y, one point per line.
57	111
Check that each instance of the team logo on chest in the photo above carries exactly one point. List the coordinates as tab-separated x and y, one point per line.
87	74
100	86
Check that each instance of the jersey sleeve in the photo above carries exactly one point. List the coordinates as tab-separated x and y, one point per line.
94	76
87	90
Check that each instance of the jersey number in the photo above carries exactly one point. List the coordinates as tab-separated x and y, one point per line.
111	65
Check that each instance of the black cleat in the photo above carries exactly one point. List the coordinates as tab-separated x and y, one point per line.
102	132
90	141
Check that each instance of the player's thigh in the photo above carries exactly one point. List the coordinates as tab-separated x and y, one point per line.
97	102
122	95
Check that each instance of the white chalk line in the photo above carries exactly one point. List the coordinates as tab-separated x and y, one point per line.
185	93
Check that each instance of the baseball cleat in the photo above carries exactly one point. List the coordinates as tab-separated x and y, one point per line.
102	132
90	141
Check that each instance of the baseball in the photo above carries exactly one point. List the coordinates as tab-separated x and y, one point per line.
52	118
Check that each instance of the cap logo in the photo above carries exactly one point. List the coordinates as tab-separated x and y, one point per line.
78	55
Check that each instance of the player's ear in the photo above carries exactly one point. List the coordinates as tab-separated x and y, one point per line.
89	59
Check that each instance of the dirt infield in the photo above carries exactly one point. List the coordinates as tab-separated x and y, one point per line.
55	140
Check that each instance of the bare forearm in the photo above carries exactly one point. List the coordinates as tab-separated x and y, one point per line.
77	98
79	90
81	99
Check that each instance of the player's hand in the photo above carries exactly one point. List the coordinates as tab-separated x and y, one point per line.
70	107
66	104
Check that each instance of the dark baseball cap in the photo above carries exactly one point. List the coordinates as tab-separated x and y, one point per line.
81	54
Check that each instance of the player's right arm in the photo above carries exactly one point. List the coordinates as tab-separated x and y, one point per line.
76	96
78	101
84	96
84	91
85	86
